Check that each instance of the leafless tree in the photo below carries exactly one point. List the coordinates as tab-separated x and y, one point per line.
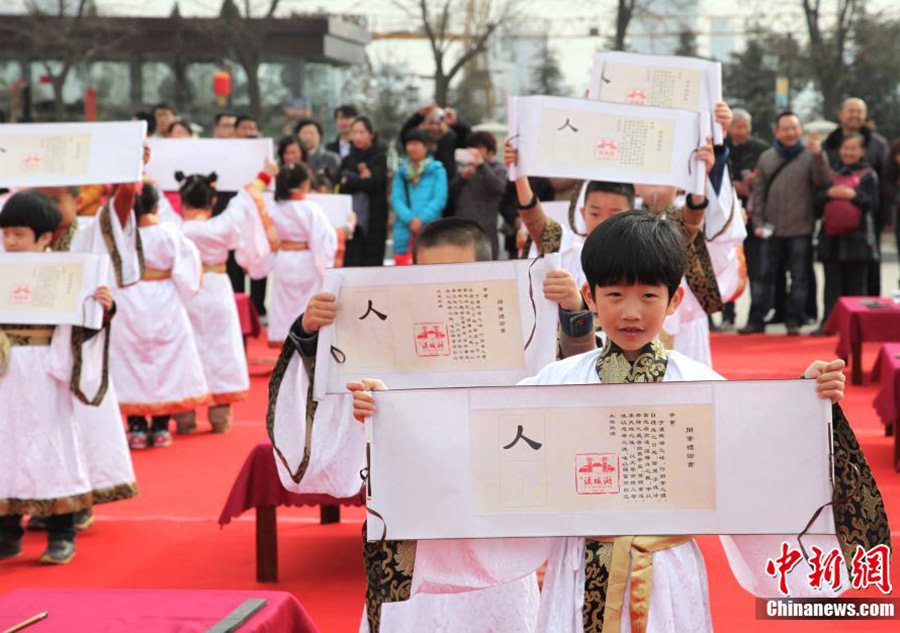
469	24
624	13
827	50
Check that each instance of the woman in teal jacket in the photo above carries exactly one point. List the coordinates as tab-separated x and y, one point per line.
418	196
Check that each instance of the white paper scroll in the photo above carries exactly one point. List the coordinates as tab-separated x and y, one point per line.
337	206
63	154
236	161
52	288
443	325
658	80
746	457
581	138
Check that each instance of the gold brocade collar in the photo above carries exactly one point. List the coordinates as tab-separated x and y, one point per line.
649	366
63	240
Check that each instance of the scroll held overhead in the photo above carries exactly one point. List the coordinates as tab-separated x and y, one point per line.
236	161
748	457
52	288
660	81
64	154
447	325
581	138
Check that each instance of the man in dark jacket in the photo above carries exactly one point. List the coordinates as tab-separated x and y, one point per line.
343	119
782	197
853	120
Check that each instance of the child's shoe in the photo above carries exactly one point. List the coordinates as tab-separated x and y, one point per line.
59	552
83	519
137	440
220	417
185	422
10	546
162	439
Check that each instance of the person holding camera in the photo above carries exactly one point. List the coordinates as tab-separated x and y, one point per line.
479	184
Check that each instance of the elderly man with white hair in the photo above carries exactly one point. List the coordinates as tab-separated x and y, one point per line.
853	115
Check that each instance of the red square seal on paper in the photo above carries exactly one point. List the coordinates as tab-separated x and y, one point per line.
431	339
32	162
636	96
606	149
597	474
21	293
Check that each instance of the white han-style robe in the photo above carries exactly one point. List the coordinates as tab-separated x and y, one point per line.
337	455
43	459
725	232
679	599
109	459
213	312
153	353
298	274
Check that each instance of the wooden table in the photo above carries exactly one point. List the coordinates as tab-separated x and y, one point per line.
258	486
858	320
887	401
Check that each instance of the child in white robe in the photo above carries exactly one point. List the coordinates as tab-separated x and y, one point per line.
44	462
153	353
633	265
332	446
307	244
241	227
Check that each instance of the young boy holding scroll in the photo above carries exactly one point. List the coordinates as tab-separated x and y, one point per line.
333	439
634	265
45	464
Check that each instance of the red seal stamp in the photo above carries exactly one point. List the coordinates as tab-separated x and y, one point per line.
637	96
431	339
21	294
606	149
597	474
32	162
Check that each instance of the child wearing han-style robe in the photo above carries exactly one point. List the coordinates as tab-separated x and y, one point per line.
241	227
307	244
153	354
44	460
634	265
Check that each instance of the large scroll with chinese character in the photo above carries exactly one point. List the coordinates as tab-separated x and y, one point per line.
63	154
444	325
747	457
594	140
236	161
660	81
52	288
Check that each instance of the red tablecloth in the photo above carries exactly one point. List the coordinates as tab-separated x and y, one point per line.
247	314
148	610
257	485
887	371
855	322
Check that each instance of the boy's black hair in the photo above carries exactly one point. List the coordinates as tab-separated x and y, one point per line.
290	177
197	190
347	111
148	118
302	123
222	115
618	188
162	106
245	117
181	123
33	210
146	201
456	232
483	139
417	134
634	247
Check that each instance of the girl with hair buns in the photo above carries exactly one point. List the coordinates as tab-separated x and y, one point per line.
243	227
307	246
153	356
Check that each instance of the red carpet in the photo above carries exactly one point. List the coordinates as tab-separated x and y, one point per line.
168	537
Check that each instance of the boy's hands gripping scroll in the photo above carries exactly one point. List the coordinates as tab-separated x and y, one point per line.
320	311
830	378
363	398
560	287
104	297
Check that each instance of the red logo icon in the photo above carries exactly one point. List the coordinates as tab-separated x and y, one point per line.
597	474
432	340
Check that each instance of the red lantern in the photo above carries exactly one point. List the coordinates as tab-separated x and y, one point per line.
222	86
